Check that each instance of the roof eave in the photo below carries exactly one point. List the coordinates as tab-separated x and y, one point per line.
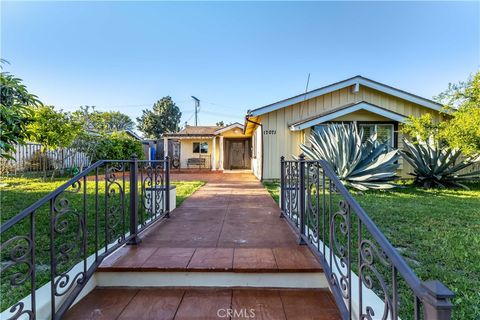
357	80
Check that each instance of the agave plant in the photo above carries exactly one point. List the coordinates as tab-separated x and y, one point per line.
367	165
435	166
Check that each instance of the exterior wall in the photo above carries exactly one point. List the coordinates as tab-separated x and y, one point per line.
186	152
279	140
257	153
186	148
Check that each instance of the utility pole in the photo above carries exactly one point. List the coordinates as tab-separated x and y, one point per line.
197	109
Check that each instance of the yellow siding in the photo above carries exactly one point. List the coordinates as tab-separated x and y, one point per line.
285	142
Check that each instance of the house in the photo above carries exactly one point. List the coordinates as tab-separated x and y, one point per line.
213	147
279	128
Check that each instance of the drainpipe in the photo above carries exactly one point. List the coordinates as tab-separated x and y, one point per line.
261	129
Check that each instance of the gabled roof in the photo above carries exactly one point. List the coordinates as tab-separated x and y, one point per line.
357	80
193	131
338	112
230	127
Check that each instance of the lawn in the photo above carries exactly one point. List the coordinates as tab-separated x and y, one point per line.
18	193
436	231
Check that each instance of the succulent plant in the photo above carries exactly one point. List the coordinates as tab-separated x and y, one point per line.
361	165
435	166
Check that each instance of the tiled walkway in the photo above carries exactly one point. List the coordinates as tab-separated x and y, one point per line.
158	304
230	224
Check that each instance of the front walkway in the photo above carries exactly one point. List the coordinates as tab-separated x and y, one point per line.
230	224
230	227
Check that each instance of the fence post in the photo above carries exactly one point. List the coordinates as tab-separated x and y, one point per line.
134	201
167	186
301	194
437	305
282	186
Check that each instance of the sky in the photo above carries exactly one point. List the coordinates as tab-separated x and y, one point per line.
233	56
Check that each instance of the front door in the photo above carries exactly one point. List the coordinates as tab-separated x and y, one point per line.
237	155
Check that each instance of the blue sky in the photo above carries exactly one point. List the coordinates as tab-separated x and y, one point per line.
233	56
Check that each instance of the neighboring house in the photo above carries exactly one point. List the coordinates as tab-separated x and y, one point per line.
217	148
279	128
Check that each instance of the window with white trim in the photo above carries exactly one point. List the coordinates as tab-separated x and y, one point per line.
384	132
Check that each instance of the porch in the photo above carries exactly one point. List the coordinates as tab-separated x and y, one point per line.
209	147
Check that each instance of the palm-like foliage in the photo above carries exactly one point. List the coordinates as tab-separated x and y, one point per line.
367	165
437	167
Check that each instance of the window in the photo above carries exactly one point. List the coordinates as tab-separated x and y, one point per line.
384	132
200	147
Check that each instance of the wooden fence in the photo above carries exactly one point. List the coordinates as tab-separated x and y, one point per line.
30	158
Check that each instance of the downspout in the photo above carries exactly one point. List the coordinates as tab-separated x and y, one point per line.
261	129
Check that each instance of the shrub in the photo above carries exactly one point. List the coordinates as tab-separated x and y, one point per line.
116	146
367	165
435	166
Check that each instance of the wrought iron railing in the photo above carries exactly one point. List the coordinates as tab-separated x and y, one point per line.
56	244
367	276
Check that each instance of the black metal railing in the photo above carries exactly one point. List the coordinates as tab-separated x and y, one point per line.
367	276
56	244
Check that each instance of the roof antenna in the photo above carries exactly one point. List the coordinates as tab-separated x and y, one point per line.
308	82
305	94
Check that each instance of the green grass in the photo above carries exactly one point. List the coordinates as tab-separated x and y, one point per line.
17	194
436	231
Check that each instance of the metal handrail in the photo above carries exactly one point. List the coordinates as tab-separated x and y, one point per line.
296	206
70	265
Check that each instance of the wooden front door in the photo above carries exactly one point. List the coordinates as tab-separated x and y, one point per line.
237	155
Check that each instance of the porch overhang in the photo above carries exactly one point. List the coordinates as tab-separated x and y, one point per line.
335	113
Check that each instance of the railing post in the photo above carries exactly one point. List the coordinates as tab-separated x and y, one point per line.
134	201
282	186
167	186
437	305
301	194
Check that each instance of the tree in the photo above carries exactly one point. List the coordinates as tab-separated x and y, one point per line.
462	131
164	117
117	121
220	124
461	127
15	112
97	121
52	129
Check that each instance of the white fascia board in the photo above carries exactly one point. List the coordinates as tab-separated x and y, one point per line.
339	113
343	84
230	127
303	97
400	94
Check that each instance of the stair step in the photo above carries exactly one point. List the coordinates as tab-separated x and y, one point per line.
244	260
205	303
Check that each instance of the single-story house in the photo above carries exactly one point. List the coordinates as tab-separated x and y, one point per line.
279	128
214	147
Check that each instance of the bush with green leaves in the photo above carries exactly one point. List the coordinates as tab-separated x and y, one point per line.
437	166
114	146
361	165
